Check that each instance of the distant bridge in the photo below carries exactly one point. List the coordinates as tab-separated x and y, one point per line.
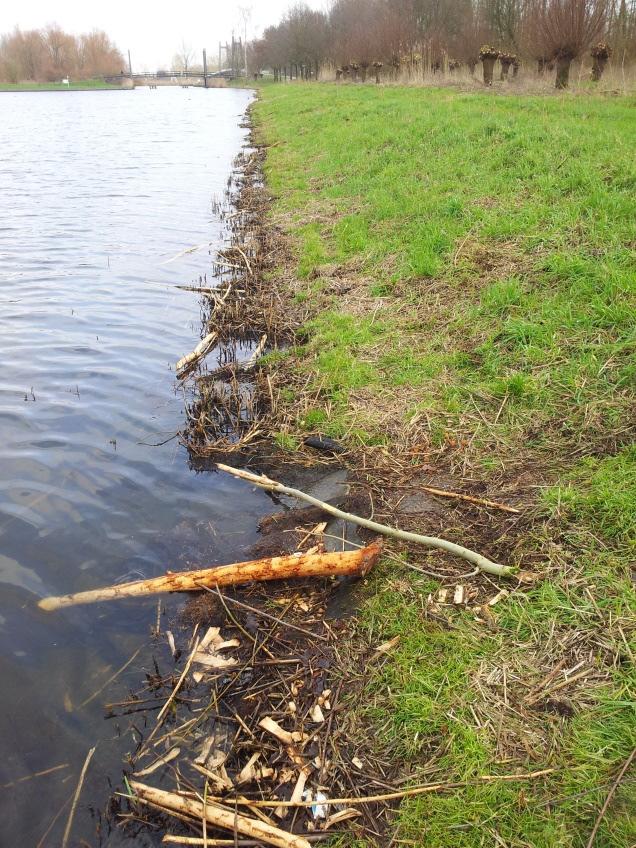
165	78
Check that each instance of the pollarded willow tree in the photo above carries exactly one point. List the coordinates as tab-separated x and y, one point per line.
567	28
601	54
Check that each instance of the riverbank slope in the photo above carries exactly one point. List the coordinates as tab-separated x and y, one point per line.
465	264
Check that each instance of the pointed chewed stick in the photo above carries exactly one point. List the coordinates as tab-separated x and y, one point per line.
353	563
482	563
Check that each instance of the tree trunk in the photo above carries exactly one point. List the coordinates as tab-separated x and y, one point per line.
540	67
472	64
515	71
363	74
377	77
598	66
489	68
563	72
505	68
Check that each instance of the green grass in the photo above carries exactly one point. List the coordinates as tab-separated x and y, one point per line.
427	699
79	85
518	212
485	250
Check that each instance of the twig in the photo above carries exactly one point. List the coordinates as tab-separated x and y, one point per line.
35	774
187	250
173	694
247	262
52	822
257	611
110	679
404	793
610	795
71	815
482	501
171	838
430	541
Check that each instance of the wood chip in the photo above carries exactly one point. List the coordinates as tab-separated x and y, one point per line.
387	647
280	733
341	816
498	597
459	596
317	714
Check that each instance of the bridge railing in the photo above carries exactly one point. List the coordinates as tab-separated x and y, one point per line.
163	75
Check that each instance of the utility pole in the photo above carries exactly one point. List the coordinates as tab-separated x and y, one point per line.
205	69
129	65
220	66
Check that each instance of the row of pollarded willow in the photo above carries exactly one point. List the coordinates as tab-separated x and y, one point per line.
600	53
409	36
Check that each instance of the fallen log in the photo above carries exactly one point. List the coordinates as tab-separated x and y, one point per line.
475	558
218	816
357	562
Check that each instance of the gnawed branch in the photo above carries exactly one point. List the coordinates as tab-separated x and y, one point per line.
476	559
269	568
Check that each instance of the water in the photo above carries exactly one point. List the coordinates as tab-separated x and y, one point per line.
98	191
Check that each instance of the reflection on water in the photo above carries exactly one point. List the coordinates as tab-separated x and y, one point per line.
99	190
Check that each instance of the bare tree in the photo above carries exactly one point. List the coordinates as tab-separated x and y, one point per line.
183	58
97	54
245	14
567	28
62	51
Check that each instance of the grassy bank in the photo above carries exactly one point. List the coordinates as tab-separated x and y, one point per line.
466	265
80	85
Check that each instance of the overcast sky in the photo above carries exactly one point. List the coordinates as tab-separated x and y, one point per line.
153	31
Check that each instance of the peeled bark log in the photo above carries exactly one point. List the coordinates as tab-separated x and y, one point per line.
218	816
270	568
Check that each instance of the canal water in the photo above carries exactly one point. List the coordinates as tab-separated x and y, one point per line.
100	191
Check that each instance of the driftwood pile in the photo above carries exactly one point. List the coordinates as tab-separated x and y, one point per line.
244	741
243	319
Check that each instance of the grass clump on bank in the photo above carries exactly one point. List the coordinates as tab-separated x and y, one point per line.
466	264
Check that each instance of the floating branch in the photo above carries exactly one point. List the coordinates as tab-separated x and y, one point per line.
269	485
269	568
